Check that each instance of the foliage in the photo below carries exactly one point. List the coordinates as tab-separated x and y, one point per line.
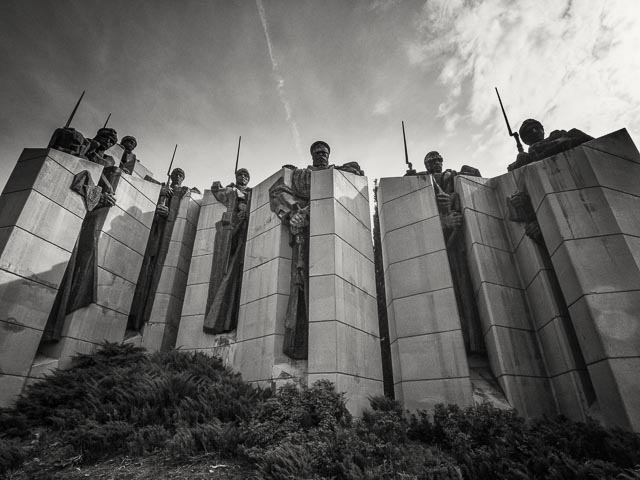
120	400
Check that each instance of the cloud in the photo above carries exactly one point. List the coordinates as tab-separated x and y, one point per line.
569	64
279	80
381	107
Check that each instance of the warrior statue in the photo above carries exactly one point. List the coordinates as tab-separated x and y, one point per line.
451	220
157	247
79	283
290	202
128	160
532	133
223	300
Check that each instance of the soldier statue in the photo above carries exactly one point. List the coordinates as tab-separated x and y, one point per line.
290	202
532	133
167	209
223	299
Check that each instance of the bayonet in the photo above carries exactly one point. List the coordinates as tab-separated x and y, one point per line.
74	111
511	133
238	155
410	170
106	121
171	164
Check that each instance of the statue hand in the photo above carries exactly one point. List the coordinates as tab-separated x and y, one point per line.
299	220
444	201
166	191
451	220
162	210
521	160
107	200
532	230
216	186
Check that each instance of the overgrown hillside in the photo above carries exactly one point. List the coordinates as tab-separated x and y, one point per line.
120	404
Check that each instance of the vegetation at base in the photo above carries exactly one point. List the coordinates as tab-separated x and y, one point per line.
121	401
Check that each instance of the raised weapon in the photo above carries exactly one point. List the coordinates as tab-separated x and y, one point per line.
512	134
74	111
171	165
238	155
410	170
106	121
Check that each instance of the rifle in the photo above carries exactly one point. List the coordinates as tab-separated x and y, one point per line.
74	111
410	170
238	155
512	134
106	121
165	198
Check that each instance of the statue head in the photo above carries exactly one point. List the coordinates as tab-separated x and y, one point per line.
433	162
320	154
177	177
106	137
129	143
242	177
531	131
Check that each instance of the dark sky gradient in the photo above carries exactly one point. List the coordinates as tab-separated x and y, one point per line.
199	73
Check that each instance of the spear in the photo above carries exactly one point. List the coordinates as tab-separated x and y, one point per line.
74	111
512	134
410	170
238	155
106	121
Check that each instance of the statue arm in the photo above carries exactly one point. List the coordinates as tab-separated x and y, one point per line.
222	194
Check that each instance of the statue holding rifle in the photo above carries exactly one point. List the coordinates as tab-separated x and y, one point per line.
223	299
289	200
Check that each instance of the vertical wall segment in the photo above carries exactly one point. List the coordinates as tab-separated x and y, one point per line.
40	219
427	347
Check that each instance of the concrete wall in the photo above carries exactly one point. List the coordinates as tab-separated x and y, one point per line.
40	219
427	347
588	206
121	246
344	342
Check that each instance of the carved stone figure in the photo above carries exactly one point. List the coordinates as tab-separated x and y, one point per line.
70	141
128	160
558	141
223	300
451	220
290	202
156	251
521	211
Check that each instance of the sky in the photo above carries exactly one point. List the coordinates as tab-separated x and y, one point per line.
284	73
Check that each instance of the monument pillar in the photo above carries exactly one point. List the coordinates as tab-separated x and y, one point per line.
40	220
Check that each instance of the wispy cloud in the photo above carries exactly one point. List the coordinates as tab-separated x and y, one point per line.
279	80
569	64
381	107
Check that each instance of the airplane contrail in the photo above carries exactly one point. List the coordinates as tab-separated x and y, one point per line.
279	80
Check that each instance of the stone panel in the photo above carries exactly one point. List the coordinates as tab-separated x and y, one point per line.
24	302
514	352
425	313
414	240
490	265
18	346
502	306
426	394
530	396
415	275
433	356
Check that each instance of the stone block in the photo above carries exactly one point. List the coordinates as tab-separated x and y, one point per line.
208	198
131	199
18	346
514	352
152	336
617	143
114	292
204	242
595	265
617	388
413	240
330	216
332	298
255	357
43	366
172	281
210	215
50	173
200	269
24	302
607	325
416	275
323	346
357	391
190	334
166	309
490	265
424	313
432	356
407	209
95	324
266	279
426	394
611	171
18	255
36	214
68	348
262	220
330	255
567	389
502	306
531	259
545	299
118	258
478	196
485	229
178	255
560	347
195	299
530	396
261	317
260	193
122	227
395	187
267	246
10	389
